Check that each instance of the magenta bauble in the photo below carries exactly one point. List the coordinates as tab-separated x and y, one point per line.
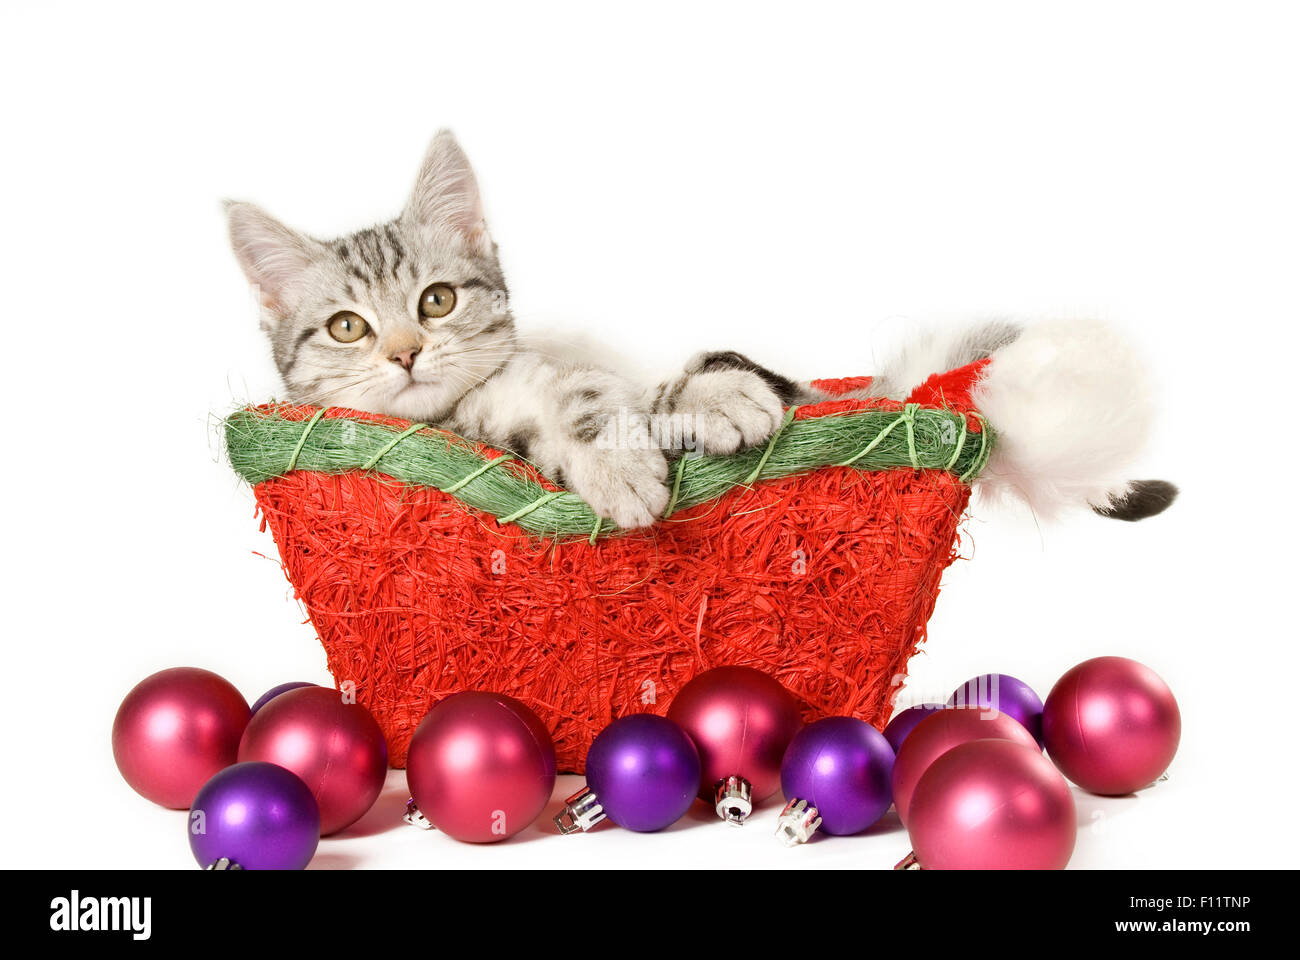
335	747
1111	725
939	733
992	805
741	720
481	766
176	729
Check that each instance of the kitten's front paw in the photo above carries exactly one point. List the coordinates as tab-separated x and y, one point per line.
626	486
732	409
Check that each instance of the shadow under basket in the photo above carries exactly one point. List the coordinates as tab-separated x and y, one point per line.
430	565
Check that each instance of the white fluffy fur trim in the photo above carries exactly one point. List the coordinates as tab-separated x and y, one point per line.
1071	407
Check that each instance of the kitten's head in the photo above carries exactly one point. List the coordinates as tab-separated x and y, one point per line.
400	319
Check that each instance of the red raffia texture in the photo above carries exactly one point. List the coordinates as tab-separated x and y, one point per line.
824	580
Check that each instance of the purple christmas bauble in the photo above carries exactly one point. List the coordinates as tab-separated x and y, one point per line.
841	766
897	729
274	692
644	771
1002	693
257	816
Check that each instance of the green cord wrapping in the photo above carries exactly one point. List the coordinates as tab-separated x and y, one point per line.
961	442
909	418
767	451
982	458
263	443
677	485
528	508
379	454
475	474
306	431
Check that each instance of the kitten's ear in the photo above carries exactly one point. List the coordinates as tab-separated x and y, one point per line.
273	257
446	195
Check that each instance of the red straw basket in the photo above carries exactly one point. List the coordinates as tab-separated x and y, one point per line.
825	580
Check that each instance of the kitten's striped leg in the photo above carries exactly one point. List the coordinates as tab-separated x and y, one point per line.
585	428
729	400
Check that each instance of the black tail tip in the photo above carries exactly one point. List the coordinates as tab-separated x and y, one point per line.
1145	499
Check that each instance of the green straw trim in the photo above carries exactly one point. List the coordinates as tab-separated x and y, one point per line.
263	444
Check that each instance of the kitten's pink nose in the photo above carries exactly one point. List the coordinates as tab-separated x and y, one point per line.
405	358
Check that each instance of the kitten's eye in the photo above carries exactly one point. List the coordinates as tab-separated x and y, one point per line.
347	327
437	301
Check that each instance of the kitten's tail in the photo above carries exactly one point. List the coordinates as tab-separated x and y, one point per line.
1071	405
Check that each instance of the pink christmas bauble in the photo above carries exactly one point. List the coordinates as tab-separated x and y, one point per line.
992	805
335	748
481	766
741	720
937	734
175	730
1111	725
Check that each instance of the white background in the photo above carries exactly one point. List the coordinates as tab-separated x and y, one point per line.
803	184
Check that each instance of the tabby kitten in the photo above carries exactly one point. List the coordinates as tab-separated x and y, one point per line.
411	319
